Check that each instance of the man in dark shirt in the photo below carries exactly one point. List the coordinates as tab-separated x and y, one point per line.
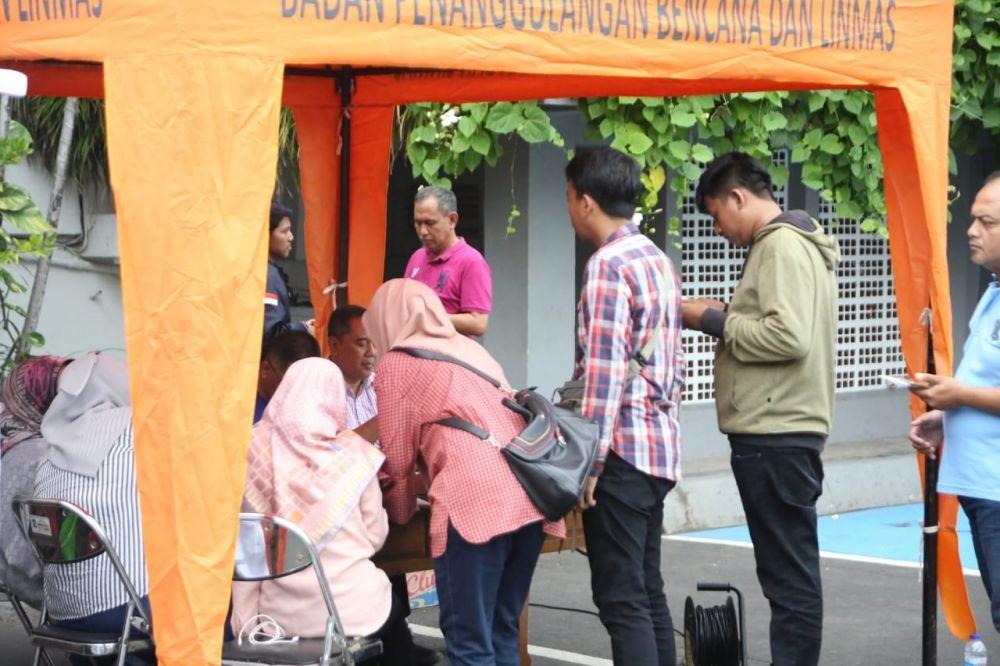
285	349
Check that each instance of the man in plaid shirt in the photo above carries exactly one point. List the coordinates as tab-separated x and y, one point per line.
630	296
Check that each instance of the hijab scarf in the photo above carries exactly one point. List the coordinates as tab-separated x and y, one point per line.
89	413
27	393
407	313
304	465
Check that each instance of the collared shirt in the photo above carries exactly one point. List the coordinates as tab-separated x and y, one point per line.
472	488
361	407
970	462
629	284
459	276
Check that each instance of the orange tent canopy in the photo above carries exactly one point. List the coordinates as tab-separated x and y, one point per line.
193	90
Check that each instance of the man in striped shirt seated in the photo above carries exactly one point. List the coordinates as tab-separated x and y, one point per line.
630	358
353	352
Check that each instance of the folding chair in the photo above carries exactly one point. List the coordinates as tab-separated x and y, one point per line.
62	533
277	548
22	614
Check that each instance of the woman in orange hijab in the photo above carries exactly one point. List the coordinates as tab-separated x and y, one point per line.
485	533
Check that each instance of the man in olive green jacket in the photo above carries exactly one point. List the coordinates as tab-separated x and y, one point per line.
774	387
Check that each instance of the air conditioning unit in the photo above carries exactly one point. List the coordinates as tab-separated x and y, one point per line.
102	240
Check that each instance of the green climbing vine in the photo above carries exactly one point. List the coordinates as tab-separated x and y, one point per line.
443	141
830	133
975	83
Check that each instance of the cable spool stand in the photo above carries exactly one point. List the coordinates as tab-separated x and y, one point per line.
716	635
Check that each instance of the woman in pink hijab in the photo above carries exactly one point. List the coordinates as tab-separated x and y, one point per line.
485	533
305	466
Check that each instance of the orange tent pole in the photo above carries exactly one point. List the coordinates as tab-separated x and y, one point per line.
370	147
192	144
913	133
319	164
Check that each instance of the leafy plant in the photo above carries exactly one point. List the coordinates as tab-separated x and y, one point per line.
34	237
445	140
831	133
975	83
88	158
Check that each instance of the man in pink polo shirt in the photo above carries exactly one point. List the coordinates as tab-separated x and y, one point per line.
447	264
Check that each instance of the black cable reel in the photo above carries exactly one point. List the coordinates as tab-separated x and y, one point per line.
715	635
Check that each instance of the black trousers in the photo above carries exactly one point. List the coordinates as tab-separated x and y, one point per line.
623	545
779	487
397	641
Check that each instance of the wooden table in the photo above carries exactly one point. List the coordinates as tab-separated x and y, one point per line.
408	548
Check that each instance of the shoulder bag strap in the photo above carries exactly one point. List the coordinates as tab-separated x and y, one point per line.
638	362
454	422
464	425
438	356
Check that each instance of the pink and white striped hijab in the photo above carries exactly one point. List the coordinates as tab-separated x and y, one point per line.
304	465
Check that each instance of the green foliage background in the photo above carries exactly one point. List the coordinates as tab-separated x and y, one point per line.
24	233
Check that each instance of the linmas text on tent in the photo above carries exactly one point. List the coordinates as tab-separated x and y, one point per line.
29	11
863	25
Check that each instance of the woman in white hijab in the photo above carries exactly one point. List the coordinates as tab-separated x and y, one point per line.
92	464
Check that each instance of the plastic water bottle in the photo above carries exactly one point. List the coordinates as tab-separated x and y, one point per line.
975	652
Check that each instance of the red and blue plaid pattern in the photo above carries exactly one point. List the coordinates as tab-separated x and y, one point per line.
627	284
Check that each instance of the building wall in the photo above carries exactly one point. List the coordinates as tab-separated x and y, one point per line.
508	257
82	308
532	324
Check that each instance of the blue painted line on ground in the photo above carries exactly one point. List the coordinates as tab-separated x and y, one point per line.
891	532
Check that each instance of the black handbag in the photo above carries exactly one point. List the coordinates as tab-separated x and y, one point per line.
551	457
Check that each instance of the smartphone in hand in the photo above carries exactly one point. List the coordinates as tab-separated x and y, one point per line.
902	381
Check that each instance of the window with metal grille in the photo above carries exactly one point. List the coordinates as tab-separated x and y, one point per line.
867	331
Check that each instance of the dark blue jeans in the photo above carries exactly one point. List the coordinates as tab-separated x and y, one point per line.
984	519
624	532
109	621
482	589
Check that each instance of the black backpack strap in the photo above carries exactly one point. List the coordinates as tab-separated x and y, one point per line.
438	356
461	424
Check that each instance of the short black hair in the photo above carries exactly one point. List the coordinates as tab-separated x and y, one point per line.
290	346
610	177
727	172
278	213
340	320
